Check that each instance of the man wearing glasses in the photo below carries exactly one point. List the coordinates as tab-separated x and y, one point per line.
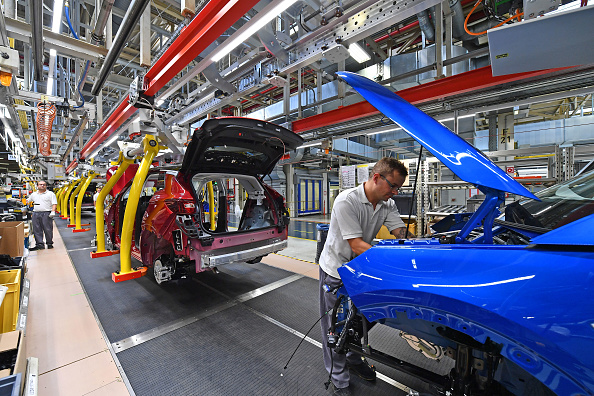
44	209
357	216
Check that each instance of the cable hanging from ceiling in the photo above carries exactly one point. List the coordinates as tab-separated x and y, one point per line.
84	75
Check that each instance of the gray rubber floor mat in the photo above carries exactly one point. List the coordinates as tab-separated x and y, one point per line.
233	351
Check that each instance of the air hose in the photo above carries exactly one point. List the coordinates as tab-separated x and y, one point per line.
46	113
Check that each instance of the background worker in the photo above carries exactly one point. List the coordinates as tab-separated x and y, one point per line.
44	210
357	216
96	195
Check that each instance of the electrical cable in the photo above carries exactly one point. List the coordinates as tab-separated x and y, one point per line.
88	64
303	338
515	16
414	191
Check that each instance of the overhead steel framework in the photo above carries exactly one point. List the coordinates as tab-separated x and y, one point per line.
210	23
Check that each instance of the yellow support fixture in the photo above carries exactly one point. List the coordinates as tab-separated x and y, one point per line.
72	198
151	148
61	197
211	208
119	160
58	193
79	200
100	208
66	197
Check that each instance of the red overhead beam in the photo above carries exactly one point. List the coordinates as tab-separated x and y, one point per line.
124	111
461	83
214	19
213	24
71	167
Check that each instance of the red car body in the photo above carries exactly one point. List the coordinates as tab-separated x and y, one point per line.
172	231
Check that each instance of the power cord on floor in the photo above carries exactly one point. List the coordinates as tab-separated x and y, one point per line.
303	338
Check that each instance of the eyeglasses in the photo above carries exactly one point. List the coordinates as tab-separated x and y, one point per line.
393	187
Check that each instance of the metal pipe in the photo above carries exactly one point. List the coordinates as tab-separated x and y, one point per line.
100	207
78	132
36	8
72	207
97	35
426	25
81	195
151	149
130	20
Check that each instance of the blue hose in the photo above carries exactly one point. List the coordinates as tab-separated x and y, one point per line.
84	76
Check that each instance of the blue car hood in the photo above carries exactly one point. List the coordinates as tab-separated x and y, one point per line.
465	161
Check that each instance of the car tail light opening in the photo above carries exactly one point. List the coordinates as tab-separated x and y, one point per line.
181	206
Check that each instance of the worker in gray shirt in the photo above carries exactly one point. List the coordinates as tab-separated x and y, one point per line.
44	210
357	216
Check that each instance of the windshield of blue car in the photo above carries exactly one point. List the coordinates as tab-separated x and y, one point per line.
560	204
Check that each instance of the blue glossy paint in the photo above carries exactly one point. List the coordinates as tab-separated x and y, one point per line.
465	161
535	303
576	233
485	215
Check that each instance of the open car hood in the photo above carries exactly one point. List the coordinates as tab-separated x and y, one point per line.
459	156
238	145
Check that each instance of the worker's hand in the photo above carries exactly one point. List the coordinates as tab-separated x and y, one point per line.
52	214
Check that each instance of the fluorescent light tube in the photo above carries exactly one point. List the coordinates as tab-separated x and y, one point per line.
50	85
57	15
253	28
309	145
358	53
113	139
10	133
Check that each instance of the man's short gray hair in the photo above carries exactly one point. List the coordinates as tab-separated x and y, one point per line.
387	165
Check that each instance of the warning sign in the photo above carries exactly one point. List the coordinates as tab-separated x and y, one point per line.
510	170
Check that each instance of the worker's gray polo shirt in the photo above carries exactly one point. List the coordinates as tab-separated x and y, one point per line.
353	216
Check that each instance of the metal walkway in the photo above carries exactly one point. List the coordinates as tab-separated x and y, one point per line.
220	334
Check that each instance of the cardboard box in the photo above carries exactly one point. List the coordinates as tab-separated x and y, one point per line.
13	238
14	342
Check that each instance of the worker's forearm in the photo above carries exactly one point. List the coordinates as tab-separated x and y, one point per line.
400	233
54	207
359	246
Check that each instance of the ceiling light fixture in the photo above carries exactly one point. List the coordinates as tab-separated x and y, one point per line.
358	53
255	24
113	139
50	85
57	15
309	145
389	130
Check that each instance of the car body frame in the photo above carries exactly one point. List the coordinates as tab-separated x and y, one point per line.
176	232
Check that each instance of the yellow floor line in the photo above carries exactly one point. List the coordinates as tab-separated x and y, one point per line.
305	239
298	259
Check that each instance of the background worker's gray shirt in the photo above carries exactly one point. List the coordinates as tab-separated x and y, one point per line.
43	202
353	216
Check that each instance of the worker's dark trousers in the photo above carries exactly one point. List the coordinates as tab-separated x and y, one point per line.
333	361
42	224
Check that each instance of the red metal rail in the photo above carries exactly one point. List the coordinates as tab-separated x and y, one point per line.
461	83
71	167
209	24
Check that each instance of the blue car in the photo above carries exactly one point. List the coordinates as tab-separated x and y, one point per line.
509	295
